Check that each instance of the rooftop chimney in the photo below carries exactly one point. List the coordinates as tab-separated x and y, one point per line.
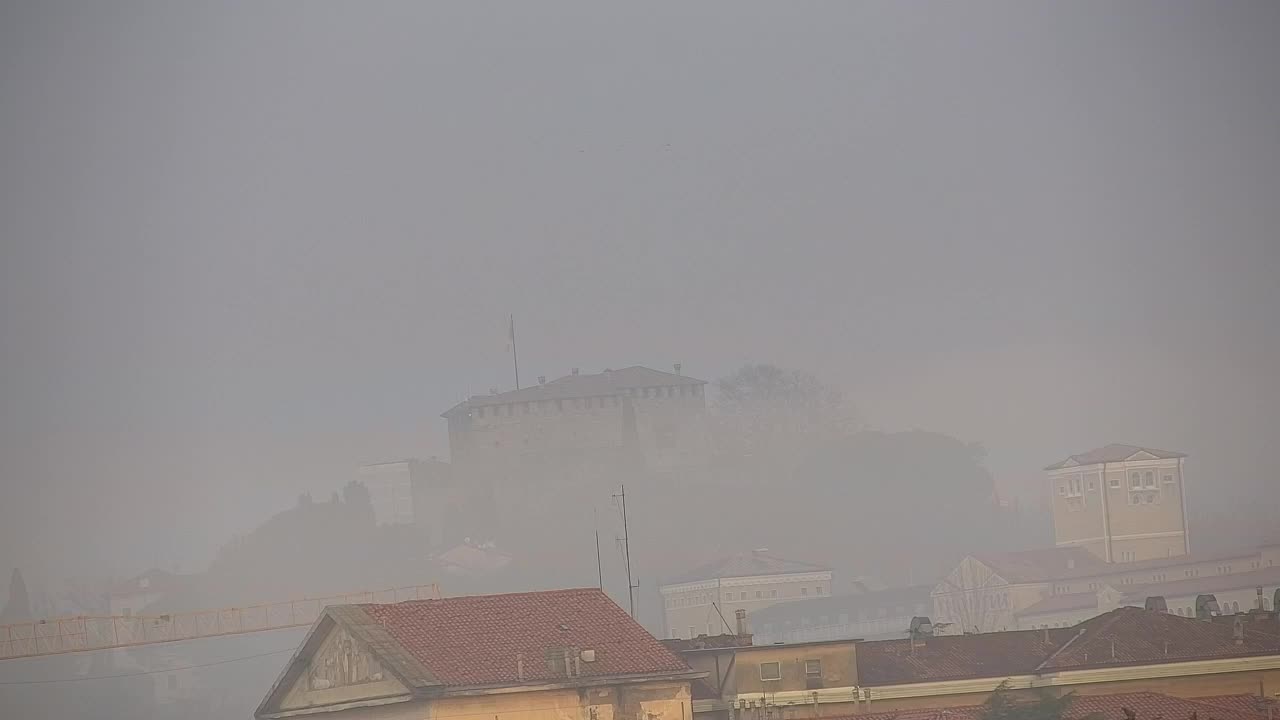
1237	629
740	619
1157	603
573	371
677	368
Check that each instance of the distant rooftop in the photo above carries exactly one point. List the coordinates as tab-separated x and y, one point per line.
608	382
1114	452
751	564
1127	636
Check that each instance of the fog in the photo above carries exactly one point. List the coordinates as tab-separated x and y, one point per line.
247	248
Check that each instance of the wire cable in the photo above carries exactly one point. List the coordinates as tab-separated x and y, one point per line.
147	672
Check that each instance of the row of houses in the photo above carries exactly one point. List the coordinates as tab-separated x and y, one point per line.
575	655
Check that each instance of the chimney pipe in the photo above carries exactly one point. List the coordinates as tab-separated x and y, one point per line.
740	621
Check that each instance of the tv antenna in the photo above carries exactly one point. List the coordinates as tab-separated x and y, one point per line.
626	550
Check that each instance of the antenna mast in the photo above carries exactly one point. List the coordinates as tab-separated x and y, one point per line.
515	359
626	548
599	567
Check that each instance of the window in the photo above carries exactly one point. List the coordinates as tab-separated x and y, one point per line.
804	591
1062	490
773	593
812	674
1149	479
693	632
1115	483
1090	486
770	671
817	590
759	594
1135	481
1168	479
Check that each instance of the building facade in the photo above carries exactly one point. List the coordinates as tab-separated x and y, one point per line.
705	600
864	616
1060	586
1123	503
655	417
557	655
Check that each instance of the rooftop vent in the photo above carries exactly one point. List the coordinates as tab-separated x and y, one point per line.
1157	603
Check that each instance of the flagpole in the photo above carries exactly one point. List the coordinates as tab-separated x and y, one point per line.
515	359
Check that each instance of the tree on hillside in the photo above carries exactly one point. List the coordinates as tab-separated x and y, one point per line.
765	412
18	607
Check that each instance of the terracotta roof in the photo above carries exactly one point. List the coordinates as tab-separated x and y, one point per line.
1045	564
1114	452
610	382
955	657
1062	603
479	640
750	564
1133	636
1147	706
1126	636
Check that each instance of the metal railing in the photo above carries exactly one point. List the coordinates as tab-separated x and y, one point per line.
76	634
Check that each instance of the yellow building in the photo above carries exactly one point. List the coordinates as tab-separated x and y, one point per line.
1123	503
557	655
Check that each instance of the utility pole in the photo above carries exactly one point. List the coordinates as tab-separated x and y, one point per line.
626	549
515	359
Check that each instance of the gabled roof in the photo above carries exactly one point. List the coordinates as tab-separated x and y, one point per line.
1062	603
483	640
1044	564
1114	452
1126	636
609	382
1146	705
957	657
1133	636
750	564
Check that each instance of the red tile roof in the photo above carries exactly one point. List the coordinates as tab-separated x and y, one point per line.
954	657
1133	636
480	640
1147	706
1127	636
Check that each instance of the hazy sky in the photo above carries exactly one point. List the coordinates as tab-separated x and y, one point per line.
245	247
